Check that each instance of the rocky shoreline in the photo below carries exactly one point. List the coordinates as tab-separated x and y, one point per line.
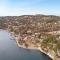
29	47
34	48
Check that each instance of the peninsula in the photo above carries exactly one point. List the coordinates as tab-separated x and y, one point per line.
41	32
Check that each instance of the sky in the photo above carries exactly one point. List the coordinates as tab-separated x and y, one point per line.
29	7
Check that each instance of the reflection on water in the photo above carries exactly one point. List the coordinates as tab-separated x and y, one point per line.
10	51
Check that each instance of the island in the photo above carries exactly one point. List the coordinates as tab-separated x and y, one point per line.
40	32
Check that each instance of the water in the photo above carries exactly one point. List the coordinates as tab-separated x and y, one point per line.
10	51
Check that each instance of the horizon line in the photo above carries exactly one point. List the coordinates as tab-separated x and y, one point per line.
30	14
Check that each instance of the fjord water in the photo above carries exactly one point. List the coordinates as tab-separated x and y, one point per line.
10	51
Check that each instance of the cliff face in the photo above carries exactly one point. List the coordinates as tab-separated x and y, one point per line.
35	31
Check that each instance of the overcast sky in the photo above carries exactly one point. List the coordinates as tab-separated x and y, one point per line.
29	7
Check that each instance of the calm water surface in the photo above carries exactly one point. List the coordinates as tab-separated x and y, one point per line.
10	51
